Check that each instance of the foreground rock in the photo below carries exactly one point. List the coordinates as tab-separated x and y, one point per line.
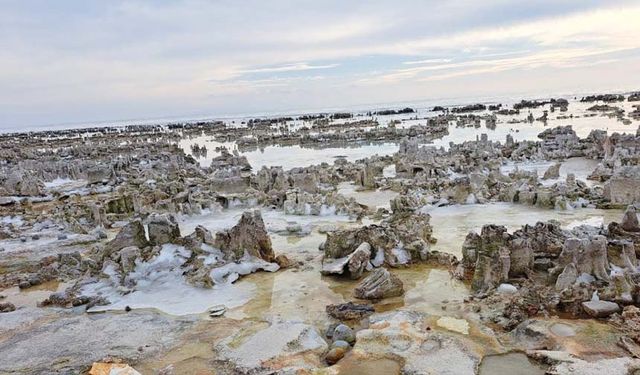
378	285
46	348
396	342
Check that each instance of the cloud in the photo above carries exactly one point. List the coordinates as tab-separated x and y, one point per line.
289	68
426	61
167	58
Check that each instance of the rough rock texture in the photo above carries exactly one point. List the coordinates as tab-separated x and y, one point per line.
248	236
349	311
402	238
397	342
132	234
379	284
353	264
600	309
68	345
552	172
562	363
622	187
163	229
7	307
281	347
630	219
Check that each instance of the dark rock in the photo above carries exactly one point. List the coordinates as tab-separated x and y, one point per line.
349	311
7	307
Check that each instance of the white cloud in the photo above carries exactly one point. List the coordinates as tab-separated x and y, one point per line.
290	68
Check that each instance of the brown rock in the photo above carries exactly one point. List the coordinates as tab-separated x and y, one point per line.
334	355
283	261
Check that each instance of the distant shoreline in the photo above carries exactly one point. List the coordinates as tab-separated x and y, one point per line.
356	109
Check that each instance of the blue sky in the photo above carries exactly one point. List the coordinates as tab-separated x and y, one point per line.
84	61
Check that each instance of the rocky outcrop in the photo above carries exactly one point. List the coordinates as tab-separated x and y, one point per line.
494	255
402	238
397	342
248	236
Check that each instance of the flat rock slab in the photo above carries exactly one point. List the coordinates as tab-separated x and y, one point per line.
600	309
281	345
71	343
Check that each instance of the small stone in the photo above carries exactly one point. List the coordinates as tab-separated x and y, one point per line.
100	368
217	311
23	239
35	280
294	228
344	333
340	344
334	355
62	237
127	308
507	289
24	285
35	237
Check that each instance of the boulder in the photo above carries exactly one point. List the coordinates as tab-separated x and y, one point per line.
379	284
567	278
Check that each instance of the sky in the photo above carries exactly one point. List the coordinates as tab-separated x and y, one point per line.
86	61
